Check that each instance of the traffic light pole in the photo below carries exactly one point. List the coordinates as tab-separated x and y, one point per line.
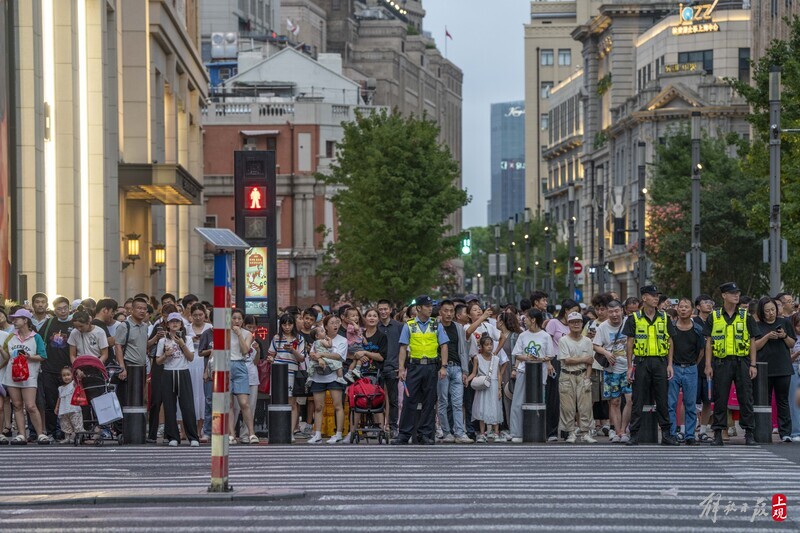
527	286
548	260
510	295
775	255
696	167
496	262
571	237
601	234
641	216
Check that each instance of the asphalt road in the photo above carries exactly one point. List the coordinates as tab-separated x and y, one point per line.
492	487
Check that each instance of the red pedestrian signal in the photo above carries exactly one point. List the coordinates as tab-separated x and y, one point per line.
255	197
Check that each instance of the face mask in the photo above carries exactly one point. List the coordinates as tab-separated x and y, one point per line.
319	317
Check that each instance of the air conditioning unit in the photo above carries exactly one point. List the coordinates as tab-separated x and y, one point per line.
224	45
250	148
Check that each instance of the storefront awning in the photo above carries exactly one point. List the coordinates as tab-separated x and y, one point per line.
168	184
256	133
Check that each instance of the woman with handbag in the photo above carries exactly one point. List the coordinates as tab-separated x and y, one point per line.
323	383
241	342
288	348
486	380
258	351
22	355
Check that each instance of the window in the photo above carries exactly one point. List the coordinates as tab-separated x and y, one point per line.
272	143
704	58
330	149
545	89
544	121
564	57
744	65
547	58
211	221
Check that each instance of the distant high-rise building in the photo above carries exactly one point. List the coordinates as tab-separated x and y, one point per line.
241	17
769	22
507	160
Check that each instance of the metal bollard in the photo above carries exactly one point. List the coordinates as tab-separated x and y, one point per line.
280	412
134	413
762	406
534	410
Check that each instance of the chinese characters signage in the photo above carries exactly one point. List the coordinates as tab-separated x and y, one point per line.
680	67
695	19
255	272
712	507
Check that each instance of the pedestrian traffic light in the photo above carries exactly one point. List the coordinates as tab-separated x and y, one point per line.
619	231
255	197
466	243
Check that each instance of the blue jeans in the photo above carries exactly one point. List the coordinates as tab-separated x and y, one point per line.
685	378
451	391
793	408
208	391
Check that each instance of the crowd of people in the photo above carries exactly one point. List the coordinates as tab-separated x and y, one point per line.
452	371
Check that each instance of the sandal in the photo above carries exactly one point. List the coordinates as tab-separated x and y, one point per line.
19	440
4	439
231	439
7	432
253	439
43	439
704	437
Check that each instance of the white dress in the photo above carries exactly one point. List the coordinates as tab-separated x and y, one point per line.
196	368
487	405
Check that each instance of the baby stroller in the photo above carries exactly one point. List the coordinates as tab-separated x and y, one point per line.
367	399
96	383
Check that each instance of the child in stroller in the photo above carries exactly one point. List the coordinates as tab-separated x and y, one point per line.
95	379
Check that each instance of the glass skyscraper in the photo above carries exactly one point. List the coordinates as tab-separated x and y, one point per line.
508	161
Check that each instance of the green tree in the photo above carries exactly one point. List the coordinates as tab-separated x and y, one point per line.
733	248
395	191
755	162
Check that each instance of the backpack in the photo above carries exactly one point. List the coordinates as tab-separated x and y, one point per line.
364	394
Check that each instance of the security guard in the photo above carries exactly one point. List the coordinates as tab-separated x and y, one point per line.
731	357
421	342
649	333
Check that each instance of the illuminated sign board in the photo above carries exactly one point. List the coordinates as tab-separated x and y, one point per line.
695	19
681	67
515	111
510	164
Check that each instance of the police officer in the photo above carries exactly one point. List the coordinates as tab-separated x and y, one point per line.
422	341
731	358
649	333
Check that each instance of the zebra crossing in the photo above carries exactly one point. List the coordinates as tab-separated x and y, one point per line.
410	488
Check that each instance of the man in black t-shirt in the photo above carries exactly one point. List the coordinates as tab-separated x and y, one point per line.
688	352
54	332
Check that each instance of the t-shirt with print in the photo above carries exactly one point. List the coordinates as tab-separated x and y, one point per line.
614	340
538	344
377	344
55	334
570	348
89	343
176	360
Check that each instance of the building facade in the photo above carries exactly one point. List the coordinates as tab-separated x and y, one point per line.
106	157
769	22
299	115
646	69
241	17
507	160
551	56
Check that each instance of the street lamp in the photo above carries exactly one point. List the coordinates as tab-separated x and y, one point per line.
775	245
496	289
547	258
571	237
511	292
527	285
601	231
695	259
159	258
640	218
133	250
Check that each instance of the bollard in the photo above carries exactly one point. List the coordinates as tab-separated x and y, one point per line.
221	398
134	413
762	406
534	410
280	412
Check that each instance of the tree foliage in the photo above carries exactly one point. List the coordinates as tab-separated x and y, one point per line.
733	248
755	162
395	189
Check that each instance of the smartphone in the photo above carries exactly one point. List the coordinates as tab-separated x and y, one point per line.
673	301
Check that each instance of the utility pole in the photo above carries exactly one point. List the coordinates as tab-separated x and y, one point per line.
526	287
640	218
775	245
601	233
548	260
496	290
571	237
511	296
696	168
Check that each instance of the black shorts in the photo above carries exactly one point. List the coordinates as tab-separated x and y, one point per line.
322	387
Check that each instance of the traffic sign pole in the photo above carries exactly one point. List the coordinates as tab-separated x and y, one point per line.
221	400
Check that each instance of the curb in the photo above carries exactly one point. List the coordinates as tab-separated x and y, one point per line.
152	496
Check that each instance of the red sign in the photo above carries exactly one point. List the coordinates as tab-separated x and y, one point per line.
577	268
778	507
255	197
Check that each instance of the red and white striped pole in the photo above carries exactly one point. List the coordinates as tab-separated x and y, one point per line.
221	402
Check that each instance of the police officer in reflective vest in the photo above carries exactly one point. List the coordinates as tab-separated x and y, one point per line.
649	333
731	358
422	362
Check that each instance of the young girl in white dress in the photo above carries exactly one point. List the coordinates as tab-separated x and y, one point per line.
487	408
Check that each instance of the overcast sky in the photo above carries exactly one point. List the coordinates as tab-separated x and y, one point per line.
487	46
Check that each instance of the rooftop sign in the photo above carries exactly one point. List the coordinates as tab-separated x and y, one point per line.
695	19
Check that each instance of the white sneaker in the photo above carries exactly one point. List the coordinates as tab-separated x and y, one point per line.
625	438
516	440
335	439
572	437
501	438
611	435
347	439
615	438
593	432
463	439
588	439
481	438
606	430
449	438
505	434
439	433
173	443
194	444
796	438
339	380
316	439
492	436
160	432
731	431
